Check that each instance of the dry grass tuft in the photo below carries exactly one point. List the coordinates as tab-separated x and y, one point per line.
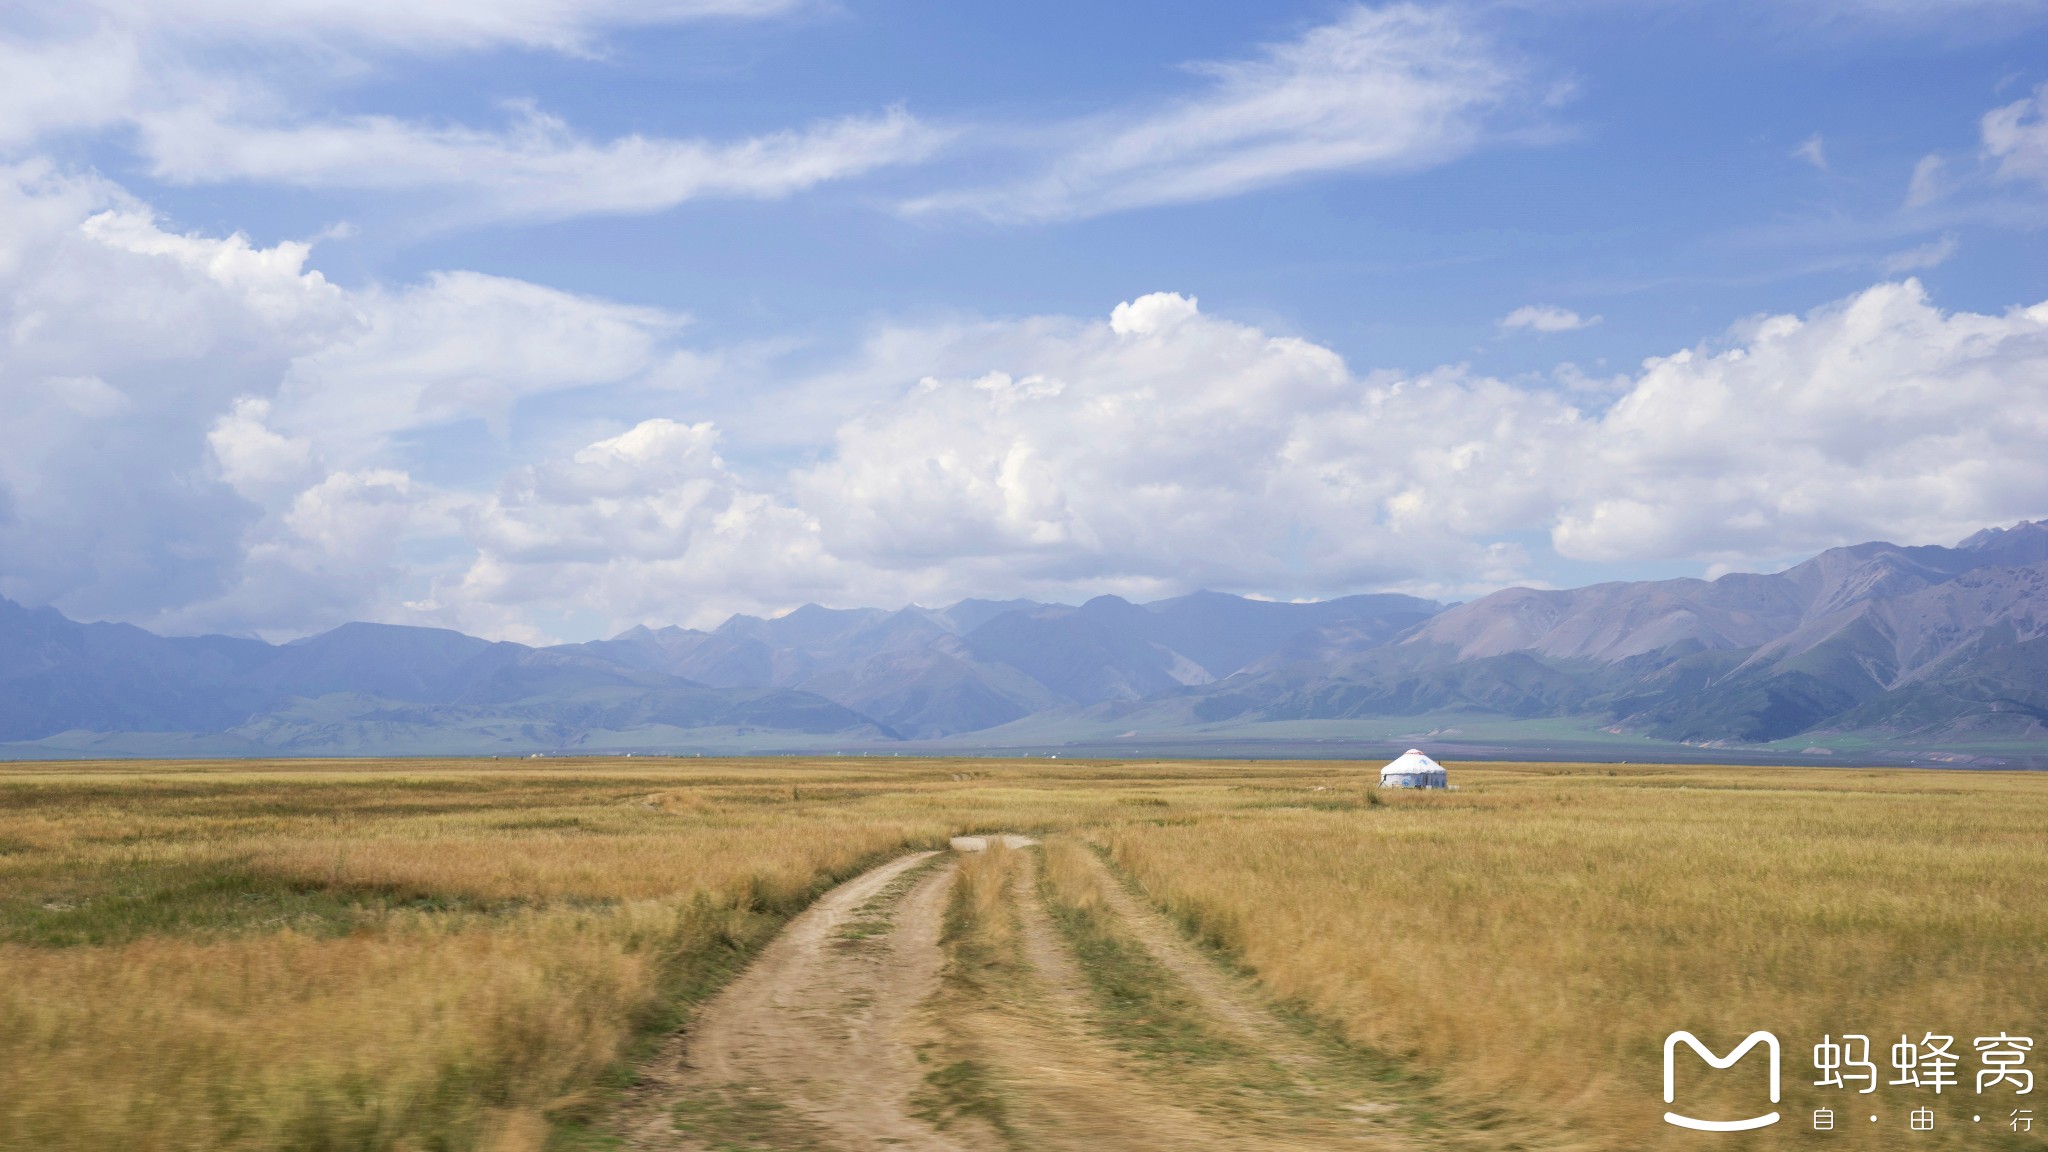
1074	883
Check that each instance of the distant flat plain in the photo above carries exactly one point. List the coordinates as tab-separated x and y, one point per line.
446	954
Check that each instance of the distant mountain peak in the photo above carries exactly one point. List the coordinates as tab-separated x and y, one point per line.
1109	605
2023	543
1990	535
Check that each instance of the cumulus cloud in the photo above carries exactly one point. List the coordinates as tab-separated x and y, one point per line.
252	457
459	345
1264	462
1878	417
1160	449
85	82
189	424
1098	451
1166	447
270	282
265	450
1545	318
1147	452
327	454
122	350
650	524
1380	89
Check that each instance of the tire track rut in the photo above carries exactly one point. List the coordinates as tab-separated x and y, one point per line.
815	1042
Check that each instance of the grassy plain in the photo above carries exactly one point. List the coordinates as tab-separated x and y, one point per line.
463	954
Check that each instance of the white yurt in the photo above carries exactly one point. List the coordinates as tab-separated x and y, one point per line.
1414	770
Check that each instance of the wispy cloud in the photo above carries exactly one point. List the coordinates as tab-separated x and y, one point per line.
537	167
1545	318
2016	136
410	25
213	91
1932	254
1381	89
1814	151
1929	181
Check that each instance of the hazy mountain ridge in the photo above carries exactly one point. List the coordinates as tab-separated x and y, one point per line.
1753	658
60	676
1873	638
928	673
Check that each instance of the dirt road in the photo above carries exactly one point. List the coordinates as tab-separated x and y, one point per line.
813	1045
857	1028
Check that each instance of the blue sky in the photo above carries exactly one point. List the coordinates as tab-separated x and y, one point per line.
544	318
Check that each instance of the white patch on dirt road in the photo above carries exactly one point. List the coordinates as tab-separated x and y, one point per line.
980	843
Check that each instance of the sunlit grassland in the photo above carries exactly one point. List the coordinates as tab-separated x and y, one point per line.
449	955
413	954
1534	936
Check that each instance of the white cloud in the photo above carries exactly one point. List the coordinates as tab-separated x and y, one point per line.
1929	182
272	282
358	515
1544	318
2016	136
255	460
1155	451
200	432
83	83
324	456
123	345
261	449
459	346
566	25
1919	258
340	548
2013	147
209	91
1168	449
647	525
1381	89
1812	150
1878	417
539	168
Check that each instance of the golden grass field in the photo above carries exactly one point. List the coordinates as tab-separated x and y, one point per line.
469	954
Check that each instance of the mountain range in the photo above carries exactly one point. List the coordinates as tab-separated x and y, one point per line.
1870	646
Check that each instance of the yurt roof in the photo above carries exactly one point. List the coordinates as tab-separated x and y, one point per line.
1413	761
